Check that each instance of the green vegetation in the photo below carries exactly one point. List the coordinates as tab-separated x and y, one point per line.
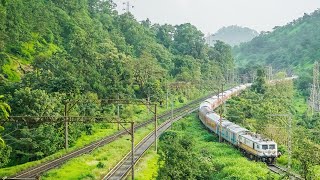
189	151
98	131
294	44
147	167
234	35
293	47
97	163
263	113
54	53
4	149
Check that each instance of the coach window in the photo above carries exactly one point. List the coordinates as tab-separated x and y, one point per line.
264	147
272	146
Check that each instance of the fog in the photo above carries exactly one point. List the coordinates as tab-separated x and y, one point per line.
211	15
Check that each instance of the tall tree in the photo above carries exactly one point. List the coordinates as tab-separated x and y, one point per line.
188	40
4	107
259	85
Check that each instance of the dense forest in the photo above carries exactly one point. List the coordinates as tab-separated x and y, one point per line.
53	52
293	46
233	35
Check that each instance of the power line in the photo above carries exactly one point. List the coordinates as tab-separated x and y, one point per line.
127	6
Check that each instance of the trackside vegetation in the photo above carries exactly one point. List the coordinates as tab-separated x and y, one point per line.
267	112
76	52
189	151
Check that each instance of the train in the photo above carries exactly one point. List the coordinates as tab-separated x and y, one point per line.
254	146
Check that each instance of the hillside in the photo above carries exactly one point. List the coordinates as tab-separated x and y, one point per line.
234	35
295	46
54	52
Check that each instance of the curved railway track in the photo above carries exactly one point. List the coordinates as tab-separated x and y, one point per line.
124	166
283	172
35	172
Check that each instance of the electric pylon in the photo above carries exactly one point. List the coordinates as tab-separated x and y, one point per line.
314	95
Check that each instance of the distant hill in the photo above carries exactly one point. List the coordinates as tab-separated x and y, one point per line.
233	35
295	46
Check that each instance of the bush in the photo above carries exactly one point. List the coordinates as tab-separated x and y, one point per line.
100	165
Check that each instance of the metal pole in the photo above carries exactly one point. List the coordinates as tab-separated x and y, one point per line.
66	126
220	137
155	126
167	98
118	112
171	107
289	142
148	99
132	150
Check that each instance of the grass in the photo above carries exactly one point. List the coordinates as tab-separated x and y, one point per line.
99	133
147	167
99	162
228	163
107	157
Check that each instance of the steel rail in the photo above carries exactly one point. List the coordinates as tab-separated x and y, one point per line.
36	171
283	171
121	170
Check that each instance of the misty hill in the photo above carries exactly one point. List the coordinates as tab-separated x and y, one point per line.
234	35
295	45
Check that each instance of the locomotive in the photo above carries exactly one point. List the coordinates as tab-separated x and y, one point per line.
251	144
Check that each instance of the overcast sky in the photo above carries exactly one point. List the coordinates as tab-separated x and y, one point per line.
211	15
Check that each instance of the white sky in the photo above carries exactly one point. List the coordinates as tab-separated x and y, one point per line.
211	15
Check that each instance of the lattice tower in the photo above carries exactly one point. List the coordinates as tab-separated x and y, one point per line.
314	95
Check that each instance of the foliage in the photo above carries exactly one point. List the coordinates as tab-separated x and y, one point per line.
53	52
259	85
307	153
233	35
292	47
5	109
4	149
188	151
263	113
259	112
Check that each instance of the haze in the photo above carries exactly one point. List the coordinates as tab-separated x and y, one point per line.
211	15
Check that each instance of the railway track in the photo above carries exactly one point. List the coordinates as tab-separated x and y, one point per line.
283	171
35	172
121	170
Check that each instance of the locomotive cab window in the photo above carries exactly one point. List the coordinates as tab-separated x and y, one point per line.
264	147
258	147
272	146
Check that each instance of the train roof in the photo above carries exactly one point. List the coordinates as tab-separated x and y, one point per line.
214	116
210	100
236	128
256	138
205	103
205	109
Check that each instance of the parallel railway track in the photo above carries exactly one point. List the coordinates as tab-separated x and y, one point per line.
37	171
283	172
123	167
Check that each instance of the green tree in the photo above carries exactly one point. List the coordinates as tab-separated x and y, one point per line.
188	40
4	149
308	154
147	73
5	108
180	162
259	85
164	35
221	53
